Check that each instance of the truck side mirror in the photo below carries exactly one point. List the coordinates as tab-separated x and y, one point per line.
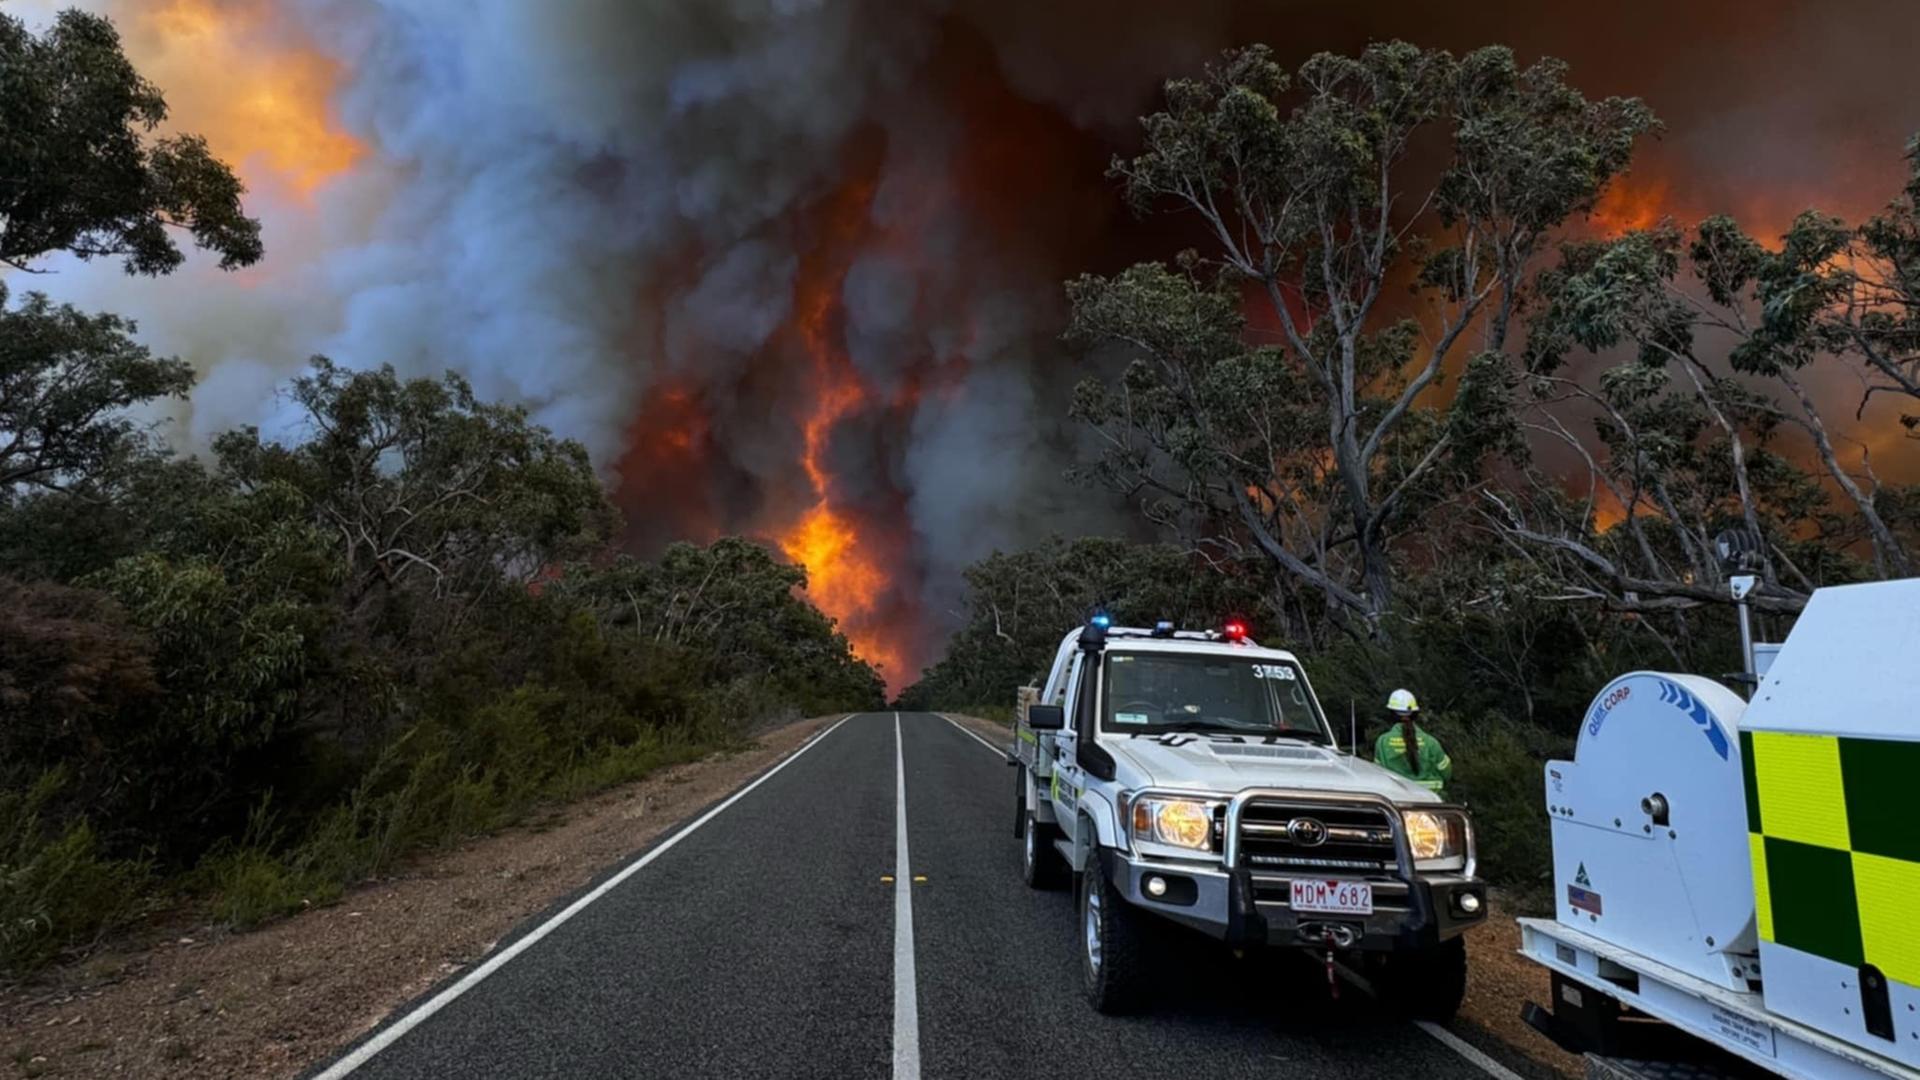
1046	717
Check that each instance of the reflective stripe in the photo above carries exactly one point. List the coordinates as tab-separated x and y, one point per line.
1886	889
1835	862
1802	797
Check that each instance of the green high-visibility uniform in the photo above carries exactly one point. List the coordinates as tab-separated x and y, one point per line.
1436	768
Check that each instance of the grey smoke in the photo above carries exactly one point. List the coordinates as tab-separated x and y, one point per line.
734	307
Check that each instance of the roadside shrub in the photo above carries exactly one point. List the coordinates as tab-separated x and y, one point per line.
439	784
250	886
743	703
999	713
624	764
249	882
57	890
1498	765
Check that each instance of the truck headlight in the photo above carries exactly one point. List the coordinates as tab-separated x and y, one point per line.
1179	822
1437	839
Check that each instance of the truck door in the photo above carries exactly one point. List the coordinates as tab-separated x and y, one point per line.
1068	778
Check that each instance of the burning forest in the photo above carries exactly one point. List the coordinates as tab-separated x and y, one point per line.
792	271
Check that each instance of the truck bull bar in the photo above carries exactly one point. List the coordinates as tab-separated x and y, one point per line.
1403	855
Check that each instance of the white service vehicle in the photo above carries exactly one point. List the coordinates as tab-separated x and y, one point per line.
1191	778
1747	874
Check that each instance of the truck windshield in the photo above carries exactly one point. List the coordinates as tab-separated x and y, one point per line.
1147	693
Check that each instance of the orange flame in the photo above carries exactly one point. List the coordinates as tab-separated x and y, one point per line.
232	73
1629	203
845	577
1607	508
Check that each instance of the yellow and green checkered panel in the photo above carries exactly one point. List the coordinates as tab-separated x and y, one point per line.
1836	867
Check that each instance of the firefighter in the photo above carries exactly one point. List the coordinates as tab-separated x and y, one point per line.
1406	748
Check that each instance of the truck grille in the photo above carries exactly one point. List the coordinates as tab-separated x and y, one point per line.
1353	839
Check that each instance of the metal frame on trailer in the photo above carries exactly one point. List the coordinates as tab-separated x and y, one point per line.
1735	1022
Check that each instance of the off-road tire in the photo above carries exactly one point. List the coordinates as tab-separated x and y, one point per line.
1117	954
1040	863
1427	984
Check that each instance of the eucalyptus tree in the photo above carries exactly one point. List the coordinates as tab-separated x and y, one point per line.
1370	226
81	169
1709	420
67	379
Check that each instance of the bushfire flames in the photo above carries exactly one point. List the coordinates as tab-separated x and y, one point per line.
845	578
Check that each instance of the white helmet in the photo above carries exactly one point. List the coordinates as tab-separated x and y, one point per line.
1403	701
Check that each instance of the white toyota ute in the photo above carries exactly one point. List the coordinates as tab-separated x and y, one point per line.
1191	778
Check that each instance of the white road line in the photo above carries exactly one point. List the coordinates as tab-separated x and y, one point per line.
1467	1050
1453	1042
906	995
407	1023
998	752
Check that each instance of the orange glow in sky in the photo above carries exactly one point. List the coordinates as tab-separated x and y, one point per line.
1631	202
232	71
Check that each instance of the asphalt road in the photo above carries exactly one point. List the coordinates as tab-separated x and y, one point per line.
766	942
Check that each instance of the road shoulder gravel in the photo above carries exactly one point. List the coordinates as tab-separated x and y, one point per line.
209	1003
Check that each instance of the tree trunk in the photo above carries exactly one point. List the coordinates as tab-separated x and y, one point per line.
1737	450
1887	549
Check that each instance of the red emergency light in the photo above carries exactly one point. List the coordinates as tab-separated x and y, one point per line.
1235	630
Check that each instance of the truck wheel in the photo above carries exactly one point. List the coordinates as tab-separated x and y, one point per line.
1040	864
1425	984
1116	952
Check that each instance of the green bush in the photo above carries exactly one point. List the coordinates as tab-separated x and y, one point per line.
1498	770
624	764
437	785
250	886
57	890
273	674
998	713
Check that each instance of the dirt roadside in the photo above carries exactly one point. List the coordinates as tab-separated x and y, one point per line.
1499	981
209	1004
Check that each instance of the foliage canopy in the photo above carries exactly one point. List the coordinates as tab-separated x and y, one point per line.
80	170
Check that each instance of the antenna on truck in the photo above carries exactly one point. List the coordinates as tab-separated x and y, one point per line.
1353	730
1739	553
